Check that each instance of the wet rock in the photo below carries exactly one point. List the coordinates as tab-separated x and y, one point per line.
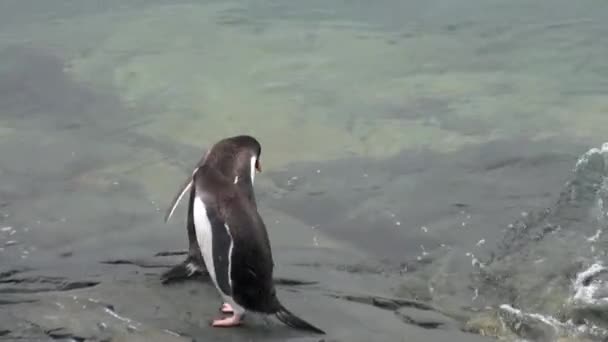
532	327
63	334
549	263
487	324
130	307
428	319
36	284
385	303
414	287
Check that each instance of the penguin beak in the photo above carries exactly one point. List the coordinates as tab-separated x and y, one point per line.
258	166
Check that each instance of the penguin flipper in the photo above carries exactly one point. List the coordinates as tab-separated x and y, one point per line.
183	189
175	201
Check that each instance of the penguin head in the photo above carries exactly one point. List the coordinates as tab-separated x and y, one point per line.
249	148
237	156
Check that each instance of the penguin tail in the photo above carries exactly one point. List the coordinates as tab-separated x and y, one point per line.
291	320
181	272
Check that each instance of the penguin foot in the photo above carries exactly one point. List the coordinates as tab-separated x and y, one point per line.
232	321
226	308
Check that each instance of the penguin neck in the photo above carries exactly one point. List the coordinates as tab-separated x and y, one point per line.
245	172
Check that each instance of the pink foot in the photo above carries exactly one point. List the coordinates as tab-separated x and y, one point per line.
226	308
231	321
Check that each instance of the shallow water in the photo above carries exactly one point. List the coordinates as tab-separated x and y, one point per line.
402	142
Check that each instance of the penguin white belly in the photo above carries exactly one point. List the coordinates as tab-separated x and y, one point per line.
204	236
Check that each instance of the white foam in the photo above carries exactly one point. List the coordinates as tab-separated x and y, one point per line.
172	333
568	328
121	318
595	237
474	260
549	320
583	294
585	157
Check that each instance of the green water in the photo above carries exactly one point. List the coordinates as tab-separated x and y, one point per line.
328	80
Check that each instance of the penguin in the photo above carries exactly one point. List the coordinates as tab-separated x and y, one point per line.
193	265
231	235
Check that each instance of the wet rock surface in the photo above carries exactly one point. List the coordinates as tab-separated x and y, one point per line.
547	264
437	288
133	306
328	275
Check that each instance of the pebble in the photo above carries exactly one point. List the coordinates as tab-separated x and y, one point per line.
6	229
10	242
424	252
